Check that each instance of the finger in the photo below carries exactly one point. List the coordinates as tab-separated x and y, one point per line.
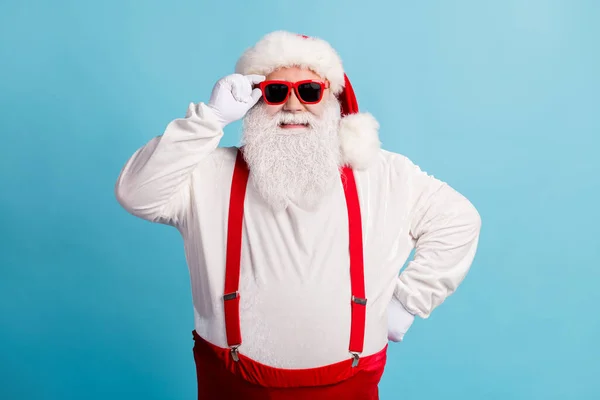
255	96
255	79
242	89
237	91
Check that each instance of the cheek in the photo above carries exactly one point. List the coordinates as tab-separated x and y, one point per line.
272	110
319	108
316	109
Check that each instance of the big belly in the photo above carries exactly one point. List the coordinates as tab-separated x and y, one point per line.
297	326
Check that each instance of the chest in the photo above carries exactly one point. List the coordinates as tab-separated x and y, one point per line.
299	246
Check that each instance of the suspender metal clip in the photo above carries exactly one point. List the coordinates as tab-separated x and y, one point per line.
355	358
359	300
234	353
231	296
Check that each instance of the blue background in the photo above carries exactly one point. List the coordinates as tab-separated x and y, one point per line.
500	99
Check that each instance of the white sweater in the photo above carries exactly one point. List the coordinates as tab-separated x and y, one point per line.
295	283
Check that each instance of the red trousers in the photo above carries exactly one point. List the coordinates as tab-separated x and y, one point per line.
221	378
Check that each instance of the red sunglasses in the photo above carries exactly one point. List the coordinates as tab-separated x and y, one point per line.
278	92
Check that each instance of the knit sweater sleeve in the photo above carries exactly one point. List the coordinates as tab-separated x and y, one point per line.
155	183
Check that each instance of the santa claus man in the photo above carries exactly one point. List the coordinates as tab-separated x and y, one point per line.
295	240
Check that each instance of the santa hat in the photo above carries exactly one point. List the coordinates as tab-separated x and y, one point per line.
358	132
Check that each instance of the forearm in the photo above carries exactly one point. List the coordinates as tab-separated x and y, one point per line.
446	232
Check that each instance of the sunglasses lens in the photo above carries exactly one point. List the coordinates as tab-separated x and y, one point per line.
310	92
276	92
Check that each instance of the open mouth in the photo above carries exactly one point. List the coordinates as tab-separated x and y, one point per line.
292	126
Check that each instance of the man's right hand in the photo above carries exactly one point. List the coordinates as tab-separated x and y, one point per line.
233	96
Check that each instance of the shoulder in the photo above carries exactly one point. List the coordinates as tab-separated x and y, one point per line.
221	156
217	165
397	175
391	163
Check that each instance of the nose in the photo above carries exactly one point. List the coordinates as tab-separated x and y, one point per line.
293	104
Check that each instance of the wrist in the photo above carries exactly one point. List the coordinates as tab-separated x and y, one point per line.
399	320
213	114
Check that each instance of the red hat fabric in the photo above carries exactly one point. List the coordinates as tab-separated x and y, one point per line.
348	99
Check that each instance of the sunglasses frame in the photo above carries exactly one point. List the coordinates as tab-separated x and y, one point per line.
293	86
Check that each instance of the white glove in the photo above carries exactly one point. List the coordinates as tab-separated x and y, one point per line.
399	320
233	96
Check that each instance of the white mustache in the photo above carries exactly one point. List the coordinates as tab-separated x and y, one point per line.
286	117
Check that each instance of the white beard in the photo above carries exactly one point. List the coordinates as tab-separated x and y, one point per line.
292	165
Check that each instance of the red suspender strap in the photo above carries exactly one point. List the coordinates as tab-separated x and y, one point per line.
357	276
234	253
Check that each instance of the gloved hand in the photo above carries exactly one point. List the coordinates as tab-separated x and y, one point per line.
399	320
232	97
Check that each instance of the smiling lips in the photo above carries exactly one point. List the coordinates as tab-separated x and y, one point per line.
293	126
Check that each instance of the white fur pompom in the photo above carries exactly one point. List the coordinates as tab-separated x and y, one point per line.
359	139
